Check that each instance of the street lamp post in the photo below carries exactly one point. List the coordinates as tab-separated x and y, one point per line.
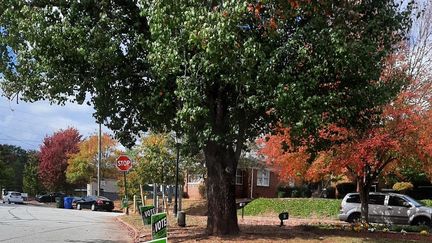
177	175
99	159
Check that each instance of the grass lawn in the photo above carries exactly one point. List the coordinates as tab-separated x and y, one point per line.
260	224
297	207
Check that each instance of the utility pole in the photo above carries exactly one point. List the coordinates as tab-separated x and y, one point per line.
99	158
177	176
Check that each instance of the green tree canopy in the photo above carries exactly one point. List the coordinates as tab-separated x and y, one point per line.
31	183
12	162
221	72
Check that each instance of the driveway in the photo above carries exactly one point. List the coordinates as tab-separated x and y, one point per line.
25	223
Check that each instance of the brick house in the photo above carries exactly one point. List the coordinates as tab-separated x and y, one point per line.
251	182
256	182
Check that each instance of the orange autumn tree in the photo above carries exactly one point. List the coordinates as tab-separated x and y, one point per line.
82	165
289	160
405	132
401	132
361	155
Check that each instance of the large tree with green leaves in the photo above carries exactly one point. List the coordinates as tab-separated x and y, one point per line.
219	72
155	160
12	161
6	174
31	182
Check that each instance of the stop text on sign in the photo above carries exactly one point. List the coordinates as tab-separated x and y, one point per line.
123	163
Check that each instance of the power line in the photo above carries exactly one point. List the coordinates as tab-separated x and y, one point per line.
19	140
28	142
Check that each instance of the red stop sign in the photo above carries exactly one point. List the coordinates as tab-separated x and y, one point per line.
123	163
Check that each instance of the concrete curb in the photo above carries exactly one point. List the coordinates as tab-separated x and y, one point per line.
136	235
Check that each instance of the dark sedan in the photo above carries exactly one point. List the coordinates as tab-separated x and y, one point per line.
49	197
94	203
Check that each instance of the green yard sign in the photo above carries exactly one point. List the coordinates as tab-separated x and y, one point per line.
163	240
159	224
146	213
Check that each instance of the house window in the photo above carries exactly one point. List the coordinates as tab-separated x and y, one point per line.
263	178
239	177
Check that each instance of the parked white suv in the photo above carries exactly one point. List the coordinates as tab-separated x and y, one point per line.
387	208
13	197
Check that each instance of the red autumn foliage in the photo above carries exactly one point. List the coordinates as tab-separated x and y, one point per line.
54	153
405	132
280	154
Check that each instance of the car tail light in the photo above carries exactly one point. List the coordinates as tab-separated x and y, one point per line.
99	202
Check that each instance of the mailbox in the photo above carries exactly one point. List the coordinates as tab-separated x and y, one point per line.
283	216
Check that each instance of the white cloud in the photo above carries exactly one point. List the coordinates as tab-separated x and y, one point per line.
27	124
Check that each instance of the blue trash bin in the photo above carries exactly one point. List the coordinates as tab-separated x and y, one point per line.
68	202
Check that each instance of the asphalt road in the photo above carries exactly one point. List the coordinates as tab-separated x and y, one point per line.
25	223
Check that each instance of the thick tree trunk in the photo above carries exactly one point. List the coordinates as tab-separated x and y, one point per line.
364	189
221	166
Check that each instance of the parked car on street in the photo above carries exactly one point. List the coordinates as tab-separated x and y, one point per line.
13	197
94	203
49	197
387	208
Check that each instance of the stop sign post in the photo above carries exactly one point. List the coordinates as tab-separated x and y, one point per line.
124	164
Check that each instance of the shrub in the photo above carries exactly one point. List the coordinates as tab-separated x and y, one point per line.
295	193
403	186
345	188
280	194
202	191
288	191
306	193
329	192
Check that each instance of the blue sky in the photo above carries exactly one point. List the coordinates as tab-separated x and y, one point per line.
27	124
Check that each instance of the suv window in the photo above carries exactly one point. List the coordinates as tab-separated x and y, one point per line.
16	194
355	198
377	199
397	201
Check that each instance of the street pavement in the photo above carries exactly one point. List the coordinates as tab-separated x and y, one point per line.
26	223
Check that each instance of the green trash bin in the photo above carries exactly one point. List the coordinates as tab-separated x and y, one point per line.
59	202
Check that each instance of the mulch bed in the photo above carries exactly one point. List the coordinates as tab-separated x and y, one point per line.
265	229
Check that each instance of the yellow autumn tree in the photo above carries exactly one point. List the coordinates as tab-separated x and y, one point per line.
82	166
